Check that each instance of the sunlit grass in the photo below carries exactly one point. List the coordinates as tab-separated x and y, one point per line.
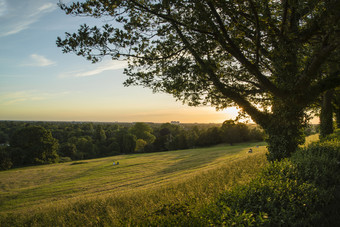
33	185
25	189
311	138
90	192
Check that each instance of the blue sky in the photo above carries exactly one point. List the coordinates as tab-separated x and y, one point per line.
39	82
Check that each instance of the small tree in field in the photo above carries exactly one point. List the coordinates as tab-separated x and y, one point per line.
264	56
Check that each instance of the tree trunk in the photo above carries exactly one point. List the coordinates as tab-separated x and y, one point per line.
285	130
326	115
337	108
337	117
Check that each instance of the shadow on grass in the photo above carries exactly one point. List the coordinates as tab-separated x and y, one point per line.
193	159
78	163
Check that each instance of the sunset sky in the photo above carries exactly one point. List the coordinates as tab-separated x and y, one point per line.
39	82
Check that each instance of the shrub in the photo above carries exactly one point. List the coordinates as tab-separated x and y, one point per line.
276	197
224	215
319	163
335	135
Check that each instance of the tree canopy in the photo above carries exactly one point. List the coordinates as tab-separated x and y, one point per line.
264	56
34	145
143	131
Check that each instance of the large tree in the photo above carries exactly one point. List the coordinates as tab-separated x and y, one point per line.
264	56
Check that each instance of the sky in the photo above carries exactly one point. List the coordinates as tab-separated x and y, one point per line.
40	83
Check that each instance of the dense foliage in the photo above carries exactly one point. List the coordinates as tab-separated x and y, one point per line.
30	143
271	58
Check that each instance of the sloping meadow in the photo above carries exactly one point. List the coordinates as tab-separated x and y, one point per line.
93	192
219	186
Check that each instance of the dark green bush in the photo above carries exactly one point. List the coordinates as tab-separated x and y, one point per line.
319	163
335	135
224	215
277	197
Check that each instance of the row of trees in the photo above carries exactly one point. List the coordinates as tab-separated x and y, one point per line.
42	143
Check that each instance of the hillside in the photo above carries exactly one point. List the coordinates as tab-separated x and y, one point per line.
31	190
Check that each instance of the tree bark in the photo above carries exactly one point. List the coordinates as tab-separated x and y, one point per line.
337	108
285	130
337	117
326	115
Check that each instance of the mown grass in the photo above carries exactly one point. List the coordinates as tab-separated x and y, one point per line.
94	191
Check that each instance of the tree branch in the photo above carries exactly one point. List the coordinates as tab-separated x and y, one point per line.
258	32
270	19
311	71
314	27
305	34
170	19
257	115
328	83
284	16
234	50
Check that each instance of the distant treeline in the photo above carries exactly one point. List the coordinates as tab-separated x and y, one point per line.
31	143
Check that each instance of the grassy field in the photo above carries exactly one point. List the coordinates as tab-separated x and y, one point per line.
140	183
94	192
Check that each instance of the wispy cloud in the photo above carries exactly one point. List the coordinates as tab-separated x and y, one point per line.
28	96
3	8
18	15
96	69
39	60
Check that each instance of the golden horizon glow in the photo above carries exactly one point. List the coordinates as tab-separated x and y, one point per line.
183	114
